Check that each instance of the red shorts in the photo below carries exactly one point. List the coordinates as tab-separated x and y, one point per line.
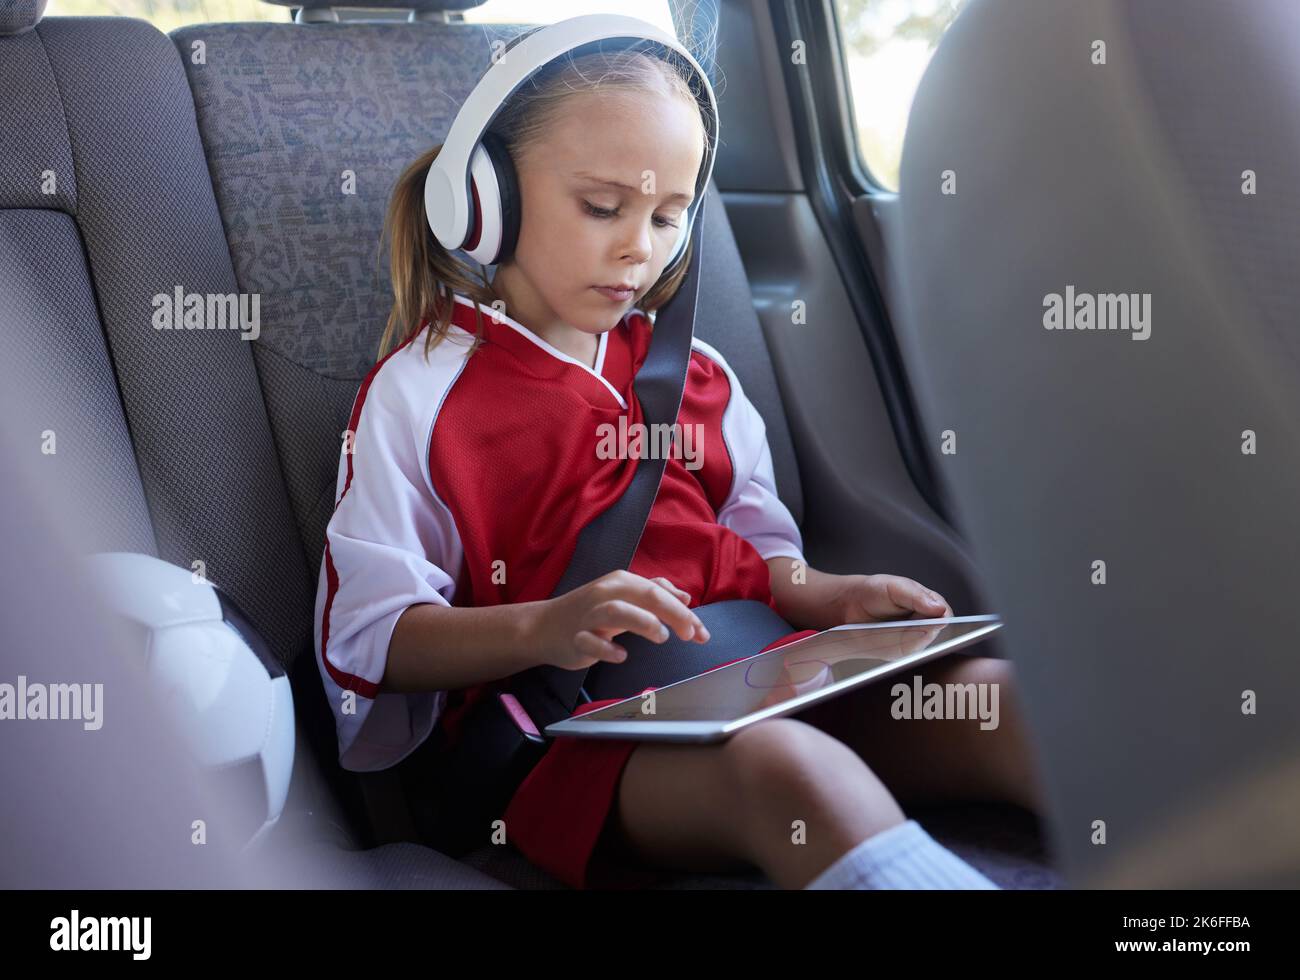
558	813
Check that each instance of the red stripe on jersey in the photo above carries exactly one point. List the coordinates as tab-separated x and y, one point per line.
350	682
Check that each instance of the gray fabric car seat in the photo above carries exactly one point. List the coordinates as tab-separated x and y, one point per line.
1145	148
109	168
48	313
150	439
103	104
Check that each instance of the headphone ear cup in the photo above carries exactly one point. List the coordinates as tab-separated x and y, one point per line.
483	239
507	182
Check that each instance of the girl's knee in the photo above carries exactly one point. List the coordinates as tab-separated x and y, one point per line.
789	773
788	758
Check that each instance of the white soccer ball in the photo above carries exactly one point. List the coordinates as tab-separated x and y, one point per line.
214	674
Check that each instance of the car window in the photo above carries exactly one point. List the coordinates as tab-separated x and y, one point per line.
167	15
887	45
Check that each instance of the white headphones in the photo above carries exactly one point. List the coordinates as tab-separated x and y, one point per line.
471	193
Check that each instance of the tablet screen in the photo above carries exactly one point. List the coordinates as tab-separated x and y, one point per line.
835	657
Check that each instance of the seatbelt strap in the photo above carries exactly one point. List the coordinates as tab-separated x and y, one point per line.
610	540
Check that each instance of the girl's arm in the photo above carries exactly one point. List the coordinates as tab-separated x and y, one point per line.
809	599
573	631
804	596
474	645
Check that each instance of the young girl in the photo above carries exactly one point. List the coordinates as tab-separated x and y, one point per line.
472	466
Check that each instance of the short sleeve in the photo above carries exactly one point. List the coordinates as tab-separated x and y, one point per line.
389	545
753	508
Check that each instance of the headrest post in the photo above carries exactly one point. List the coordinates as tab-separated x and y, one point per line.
20	16
316	15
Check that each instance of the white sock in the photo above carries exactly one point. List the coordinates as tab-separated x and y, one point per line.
902	856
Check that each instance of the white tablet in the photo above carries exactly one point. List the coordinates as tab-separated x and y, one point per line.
721	701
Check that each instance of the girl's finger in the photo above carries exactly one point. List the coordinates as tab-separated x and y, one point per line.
681	593
589	644
925	599
904	594
669	608
619	615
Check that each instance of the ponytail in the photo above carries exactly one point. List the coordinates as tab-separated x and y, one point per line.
424	274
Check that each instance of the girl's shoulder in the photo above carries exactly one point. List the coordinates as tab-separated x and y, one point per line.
419	370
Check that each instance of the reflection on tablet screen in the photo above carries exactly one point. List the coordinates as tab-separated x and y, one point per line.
740	689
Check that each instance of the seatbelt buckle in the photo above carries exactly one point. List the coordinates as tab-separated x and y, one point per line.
520	718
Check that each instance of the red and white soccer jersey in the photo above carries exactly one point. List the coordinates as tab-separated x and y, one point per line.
470	477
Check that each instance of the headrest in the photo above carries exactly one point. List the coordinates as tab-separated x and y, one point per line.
449	5
17	16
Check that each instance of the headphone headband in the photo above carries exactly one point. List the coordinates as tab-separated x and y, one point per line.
451	197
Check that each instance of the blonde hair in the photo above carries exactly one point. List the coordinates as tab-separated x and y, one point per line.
425	275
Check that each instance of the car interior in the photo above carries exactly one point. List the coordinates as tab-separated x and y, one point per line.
209	160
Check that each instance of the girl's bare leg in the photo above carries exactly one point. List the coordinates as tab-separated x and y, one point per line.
726	806
938	760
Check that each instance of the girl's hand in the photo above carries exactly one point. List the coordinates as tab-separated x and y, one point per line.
576	630
873	598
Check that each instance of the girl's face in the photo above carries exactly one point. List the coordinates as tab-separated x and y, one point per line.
604	198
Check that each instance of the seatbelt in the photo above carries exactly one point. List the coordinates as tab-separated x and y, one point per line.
610	540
